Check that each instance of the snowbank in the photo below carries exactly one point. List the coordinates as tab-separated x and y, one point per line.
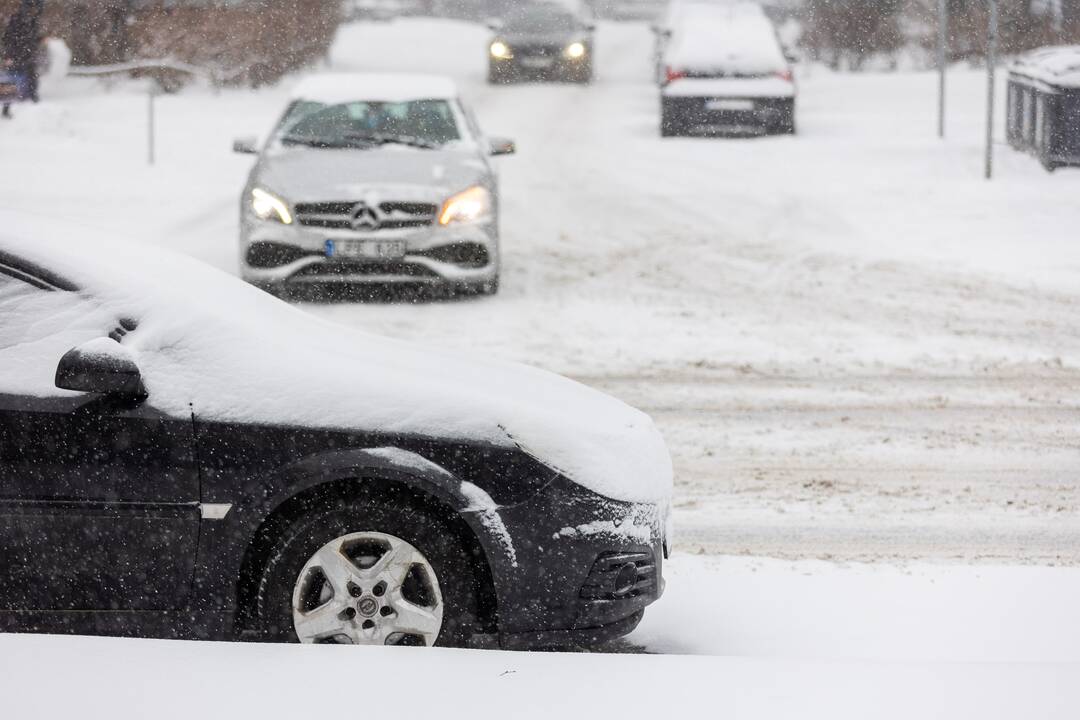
805	640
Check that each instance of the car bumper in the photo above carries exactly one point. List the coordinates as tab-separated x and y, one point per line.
702	112
564	585
272	254
560	68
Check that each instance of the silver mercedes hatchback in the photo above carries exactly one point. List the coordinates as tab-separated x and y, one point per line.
372	179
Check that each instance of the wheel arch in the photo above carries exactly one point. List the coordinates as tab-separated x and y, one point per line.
399	476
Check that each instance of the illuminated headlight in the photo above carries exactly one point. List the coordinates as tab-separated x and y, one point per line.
468	206
501	50
268	206
575	50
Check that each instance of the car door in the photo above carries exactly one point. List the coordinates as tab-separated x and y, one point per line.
98	498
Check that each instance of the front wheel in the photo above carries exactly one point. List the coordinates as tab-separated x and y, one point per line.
368	572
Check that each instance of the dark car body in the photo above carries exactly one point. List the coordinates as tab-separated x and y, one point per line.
541	42
119	517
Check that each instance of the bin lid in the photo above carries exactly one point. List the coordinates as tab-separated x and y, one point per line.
1057	65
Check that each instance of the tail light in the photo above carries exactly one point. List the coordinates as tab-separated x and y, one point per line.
786	75
671	74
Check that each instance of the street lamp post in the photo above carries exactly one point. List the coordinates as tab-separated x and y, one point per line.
942	59
991	62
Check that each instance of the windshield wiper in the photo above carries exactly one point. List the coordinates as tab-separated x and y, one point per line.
317	142
389	139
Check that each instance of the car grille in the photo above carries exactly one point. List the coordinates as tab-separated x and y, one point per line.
602	580
392	268
550	51
339	215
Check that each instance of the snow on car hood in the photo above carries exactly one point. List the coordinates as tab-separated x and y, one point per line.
207	340
302	174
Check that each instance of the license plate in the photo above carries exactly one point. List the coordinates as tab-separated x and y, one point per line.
537	62
365	249
729	105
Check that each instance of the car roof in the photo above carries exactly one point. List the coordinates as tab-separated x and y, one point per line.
738	37
333	88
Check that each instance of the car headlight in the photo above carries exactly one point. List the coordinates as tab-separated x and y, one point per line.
468	206
268	206
501	50
575	50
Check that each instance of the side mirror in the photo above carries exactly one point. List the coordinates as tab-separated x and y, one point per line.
494	24
246	146
102	366
589	27
501	146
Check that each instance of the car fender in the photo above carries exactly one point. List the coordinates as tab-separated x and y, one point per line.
266	494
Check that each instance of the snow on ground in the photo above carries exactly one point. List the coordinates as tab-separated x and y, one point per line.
855	346
748	639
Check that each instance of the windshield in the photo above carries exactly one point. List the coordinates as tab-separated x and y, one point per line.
418	123
540	19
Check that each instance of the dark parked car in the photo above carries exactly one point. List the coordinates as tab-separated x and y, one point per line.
182	455
541	42
723	70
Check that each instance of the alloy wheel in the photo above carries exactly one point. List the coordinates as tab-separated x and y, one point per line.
368	588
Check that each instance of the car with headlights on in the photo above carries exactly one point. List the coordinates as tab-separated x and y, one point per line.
371	178
541	41
183	455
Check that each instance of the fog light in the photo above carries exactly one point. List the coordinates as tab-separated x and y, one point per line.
625	579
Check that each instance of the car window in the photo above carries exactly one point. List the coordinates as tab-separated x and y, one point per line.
426	120
541	20
37	326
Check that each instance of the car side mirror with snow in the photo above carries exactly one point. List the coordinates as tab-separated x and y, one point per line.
501	146
494	24
103	367
246	146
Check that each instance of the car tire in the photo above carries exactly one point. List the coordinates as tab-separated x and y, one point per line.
388	514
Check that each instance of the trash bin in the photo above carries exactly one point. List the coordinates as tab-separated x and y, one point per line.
1043	115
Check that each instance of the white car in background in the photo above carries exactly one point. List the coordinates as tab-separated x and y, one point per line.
723	69
372	179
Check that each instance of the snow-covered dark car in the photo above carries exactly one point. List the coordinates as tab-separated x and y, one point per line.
541	41
722	70
372	178
182	455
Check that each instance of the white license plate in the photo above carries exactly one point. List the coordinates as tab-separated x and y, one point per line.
366	249
729	105
537	63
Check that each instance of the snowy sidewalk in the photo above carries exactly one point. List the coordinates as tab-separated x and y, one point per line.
922	642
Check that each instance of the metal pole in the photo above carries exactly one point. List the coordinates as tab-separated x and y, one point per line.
150	125
943	40
991	61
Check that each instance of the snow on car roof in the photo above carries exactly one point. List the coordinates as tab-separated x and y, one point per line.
737	38
334	88
1057	65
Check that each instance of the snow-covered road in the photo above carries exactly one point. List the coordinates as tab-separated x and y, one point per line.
856	347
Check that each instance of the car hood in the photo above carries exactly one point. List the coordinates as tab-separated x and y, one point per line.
209	343
557	37
301	174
